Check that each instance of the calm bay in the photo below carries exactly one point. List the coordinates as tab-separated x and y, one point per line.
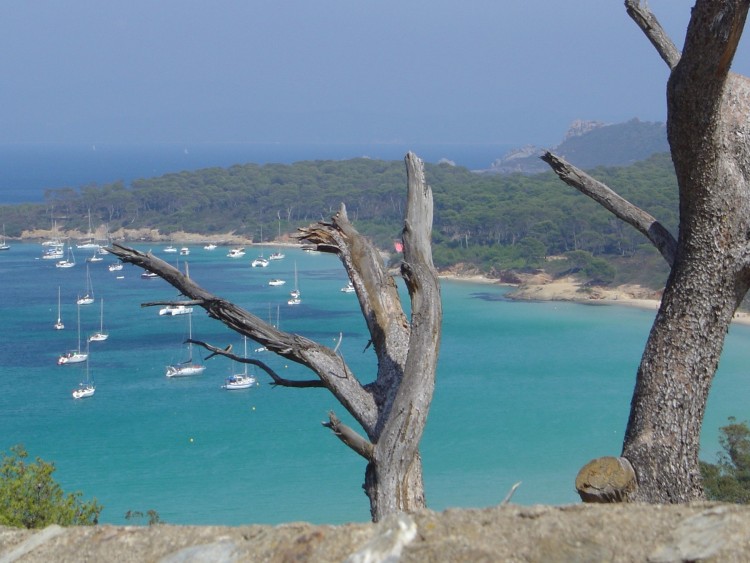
525	392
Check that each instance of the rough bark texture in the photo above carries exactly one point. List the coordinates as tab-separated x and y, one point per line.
708	131
392	410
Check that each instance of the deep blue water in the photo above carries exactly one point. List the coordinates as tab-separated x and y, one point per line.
27	170
525	392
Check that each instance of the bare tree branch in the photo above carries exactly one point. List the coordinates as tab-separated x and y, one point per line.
189	303
350	437
275	377
328	366
655	33
646	224
376	290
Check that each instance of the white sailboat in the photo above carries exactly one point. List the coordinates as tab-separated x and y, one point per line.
89	243
68	262
239	380
175	310
74	356
3	244
100	336
259	262
294	295
59	324
188	367
53	252
85	388
88	297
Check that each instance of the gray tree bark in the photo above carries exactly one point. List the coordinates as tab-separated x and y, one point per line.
393	409
708	129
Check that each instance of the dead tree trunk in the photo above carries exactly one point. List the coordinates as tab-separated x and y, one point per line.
392	410
708	128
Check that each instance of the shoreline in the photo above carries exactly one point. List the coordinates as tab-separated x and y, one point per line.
542	287
537	287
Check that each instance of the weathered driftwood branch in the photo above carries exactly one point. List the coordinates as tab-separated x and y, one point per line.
320	359
655	33
275	377
349	437
392	410
376	292
652	229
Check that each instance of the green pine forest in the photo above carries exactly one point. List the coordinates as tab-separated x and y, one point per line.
490	223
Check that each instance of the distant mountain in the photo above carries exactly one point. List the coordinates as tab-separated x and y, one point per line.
588	144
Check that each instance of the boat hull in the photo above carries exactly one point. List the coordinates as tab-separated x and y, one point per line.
72	358
185	371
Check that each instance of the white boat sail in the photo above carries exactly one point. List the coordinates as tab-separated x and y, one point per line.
74	356
59	324
100	336
88	297
85	388
188	367
294	295
239	380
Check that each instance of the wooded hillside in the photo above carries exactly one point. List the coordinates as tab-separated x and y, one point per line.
491	222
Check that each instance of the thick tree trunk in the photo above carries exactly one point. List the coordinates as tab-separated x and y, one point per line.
708	128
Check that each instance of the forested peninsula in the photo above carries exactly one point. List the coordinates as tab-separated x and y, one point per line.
499	225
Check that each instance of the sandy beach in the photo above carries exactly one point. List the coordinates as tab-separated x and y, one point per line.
542	287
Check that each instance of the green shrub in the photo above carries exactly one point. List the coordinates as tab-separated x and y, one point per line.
30	497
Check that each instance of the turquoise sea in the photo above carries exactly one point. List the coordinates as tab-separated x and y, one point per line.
525	392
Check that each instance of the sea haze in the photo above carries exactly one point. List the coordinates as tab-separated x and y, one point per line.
28	170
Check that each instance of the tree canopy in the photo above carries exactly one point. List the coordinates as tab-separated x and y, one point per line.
31	498
486	221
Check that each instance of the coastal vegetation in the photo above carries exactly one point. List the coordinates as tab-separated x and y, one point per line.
486	223
31	498
729	479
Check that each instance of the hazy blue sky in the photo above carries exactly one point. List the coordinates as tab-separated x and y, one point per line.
443	71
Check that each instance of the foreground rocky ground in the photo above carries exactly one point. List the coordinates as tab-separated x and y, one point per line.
698	532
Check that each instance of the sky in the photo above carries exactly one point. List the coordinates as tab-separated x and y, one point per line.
327	71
